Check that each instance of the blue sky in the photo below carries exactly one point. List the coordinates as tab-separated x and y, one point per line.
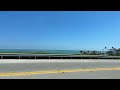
68	30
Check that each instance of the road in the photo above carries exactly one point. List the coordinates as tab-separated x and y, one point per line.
60	69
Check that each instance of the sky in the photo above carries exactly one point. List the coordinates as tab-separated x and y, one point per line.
59	30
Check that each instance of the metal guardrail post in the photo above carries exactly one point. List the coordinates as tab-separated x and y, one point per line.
35	57
19	57
1	57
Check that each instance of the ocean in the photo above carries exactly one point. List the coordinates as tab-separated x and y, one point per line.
39	51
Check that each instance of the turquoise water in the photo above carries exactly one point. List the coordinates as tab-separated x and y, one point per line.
48	51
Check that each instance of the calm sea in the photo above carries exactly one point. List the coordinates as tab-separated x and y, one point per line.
48	51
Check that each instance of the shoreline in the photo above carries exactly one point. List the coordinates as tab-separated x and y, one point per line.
30	53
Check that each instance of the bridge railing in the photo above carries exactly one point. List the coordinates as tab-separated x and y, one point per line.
57	57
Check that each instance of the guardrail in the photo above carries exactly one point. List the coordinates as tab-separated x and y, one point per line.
57	57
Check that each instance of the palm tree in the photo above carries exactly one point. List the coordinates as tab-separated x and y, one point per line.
81	52
112	49
105	48
94	52
88	52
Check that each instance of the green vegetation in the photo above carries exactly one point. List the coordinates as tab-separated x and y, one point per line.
114	54
86	54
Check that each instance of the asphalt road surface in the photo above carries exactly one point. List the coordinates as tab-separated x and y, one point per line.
60	69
